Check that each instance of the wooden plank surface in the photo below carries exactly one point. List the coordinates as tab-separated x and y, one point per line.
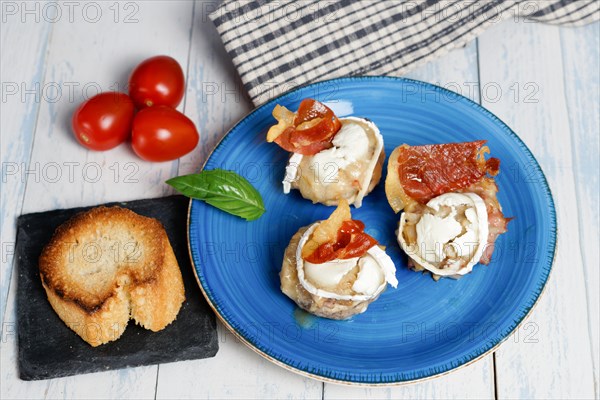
215	101
555	360
95	50
554	356
580	55
22	84
235	373
456	71
475	381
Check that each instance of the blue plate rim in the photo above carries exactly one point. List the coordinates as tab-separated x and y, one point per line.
448	368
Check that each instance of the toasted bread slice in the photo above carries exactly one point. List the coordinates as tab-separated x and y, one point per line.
108	265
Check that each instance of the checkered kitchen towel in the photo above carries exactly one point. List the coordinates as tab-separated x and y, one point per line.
278	45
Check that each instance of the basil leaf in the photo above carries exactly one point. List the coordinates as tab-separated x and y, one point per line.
224	190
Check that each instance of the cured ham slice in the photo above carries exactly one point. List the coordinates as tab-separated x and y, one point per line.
307	131
428	171
338	238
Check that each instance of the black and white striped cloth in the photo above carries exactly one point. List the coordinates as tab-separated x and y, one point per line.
278	45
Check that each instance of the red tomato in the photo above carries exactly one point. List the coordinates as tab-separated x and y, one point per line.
158	81
161	133
104	121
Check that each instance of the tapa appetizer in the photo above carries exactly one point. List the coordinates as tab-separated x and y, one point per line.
333	269
451	216
332	158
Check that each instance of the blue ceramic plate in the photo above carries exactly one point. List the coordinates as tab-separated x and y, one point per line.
422	328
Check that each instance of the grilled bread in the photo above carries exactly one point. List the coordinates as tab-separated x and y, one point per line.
108	265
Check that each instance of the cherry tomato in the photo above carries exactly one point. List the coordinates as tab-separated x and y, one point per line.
104	121
161	133
158	81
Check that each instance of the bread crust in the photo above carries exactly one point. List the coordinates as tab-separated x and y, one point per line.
107	265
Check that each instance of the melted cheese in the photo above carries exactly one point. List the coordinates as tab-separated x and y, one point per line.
291	171
328	274
376	269
350	144
369	277
440	235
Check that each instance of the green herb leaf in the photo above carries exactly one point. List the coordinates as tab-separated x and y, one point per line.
224	190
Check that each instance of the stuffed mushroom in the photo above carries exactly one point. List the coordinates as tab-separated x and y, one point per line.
451	215
333	269
332	158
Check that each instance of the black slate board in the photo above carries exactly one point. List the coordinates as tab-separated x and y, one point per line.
49	349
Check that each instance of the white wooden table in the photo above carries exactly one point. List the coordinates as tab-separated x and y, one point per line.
543	81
